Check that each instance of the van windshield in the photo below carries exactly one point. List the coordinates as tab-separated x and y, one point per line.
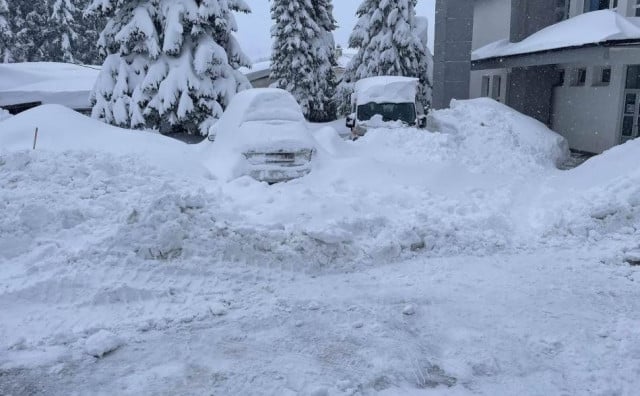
405	112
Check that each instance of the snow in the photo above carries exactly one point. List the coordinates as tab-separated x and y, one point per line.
386	89
47	82
61	129
457	261
4	114
102	343
589	28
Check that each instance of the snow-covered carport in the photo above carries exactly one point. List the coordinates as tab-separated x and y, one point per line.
25	85
577	76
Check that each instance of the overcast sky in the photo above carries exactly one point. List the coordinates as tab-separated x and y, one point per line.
254	28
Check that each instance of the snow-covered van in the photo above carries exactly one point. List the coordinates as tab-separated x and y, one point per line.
385	101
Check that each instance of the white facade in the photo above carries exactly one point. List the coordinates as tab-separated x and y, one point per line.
589	115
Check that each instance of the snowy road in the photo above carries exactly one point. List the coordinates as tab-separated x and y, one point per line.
539	323
455	262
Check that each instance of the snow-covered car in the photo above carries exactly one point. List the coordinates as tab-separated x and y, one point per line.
262	134
385	101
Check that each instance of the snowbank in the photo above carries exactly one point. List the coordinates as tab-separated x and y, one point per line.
207	280
4	114
493	137
597	199
589	28
62	129
47	82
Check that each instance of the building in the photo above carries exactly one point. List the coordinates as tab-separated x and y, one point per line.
572	64
30	84
26	85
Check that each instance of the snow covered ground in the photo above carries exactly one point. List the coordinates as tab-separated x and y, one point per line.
459	261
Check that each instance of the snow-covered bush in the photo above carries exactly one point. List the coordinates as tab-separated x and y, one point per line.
170	64
303	54
388	44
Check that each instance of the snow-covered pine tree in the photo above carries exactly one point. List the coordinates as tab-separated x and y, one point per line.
326	60
62	23
29	19
88	28
387	45
302	57
171	64
6	36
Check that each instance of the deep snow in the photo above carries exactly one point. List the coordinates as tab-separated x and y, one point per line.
458	261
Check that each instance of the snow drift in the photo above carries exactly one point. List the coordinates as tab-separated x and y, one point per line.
61	129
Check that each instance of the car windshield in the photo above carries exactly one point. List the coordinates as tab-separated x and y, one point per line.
404	112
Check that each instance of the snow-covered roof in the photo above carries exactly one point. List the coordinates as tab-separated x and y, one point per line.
386	89
258	70
590	28
47	82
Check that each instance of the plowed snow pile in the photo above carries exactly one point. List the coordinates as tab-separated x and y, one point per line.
405	261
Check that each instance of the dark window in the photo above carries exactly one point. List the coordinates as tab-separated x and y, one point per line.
627	126
485	86
605	78
496	87
633	77
405	112
560	78
579	77
595	5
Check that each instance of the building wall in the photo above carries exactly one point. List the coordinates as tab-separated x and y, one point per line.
491	22
589	116
530	91
476	88
498	12
527	17
452	51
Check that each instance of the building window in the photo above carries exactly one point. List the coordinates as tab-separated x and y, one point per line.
633	77
579	77
562	10
605	75
496	87
595	5
602	76
560	78
484	90
636	5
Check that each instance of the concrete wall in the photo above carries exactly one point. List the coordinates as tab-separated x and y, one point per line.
452	51
475	88
491	22
527	17
530	91
589	116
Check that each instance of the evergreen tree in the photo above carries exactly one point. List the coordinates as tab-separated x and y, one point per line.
6	36
303	54
30	21
326	60
170	64
52	30
62	22
88	28
387	45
